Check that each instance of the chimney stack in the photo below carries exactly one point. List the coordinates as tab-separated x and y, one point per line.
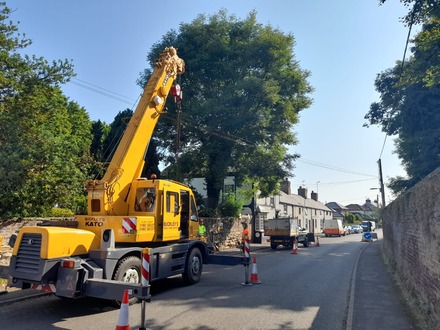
285	186
302	192
314	196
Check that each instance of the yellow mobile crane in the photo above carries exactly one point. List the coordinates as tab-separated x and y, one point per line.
100	255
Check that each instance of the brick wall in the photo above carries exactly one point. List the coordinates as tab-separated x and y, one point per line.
411	230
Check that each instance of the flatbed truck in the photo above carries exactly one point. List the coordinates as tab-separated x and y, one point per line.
285	231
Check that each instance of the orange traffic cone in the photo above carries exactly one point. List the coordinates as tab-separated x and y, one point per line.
254	275
295	247
123	314
317	240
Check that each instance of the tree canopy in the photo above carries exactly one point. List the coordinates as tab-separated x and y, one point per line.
44	137
409	105
243	91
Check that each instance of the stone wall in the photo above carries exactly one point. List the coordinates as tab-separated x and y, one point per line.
230	235
411	230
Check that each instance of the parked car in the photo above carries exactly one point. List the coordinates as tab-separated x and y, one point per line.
348	230
356	229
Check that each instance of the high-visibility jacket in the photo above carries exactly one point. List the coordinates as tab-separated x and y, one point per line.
202	230
244	235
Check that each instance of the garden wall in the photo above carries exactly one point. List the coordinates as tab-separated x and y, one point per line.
411	230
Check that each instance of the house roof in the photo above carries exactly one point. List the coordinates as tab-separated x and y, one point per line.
337	214
298	200
369	206
355	207
336	206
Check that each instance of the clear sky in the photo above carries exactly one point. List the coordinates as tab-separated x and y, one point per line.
344	44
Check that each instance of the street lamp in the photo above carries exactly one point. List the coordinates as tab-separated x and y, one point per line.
317	183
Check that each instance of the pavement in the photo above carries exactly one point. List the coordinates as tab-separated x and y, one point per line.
375	302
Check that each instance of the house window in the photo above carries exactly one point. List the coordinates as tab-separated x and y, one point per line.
285	208
272	201
229	189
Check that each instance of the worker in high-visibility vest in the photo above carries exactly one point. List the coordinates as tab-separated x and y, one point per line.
202	230
244	234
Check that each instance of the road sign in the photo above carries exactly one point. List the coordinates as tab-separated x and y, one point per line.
367	236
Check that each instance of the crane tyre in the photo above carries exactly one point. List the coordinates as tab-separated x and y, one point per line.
193	267
128	270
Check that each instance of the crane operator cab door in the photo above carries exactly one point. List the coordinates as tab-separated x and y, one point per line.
171	216
180	220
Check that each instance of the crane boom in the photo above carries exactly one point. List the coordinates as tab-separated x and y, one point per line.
108	195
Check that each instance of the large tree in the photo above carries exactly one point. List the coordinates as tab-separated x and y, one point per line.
242	92
409	106
44	138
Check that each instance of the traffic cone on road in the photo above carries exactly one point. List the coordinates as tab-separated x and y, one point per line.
295	247
317	241
123	314
254	275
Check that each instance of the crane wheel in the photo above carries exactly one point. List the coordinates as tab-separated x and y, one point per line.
128	270
193	267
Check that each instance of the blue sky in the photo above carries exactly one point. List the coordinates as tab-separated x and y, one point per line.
344	44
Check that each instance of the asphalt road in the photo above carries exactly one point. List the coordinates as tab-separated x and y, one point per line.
307	290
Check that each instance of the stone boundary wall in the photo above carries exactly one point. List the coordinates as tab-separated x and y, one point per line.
230	236
411	230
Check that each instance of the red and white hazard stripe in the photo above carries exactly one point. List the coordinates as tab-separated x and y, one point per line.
247	249
128	224
145	267
45	287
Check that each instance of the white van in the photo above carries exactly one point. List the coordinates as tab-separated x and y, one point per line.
333	228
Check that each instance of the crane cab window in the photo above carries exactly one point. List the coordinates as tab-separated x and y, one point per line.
145	200
172	202
194	216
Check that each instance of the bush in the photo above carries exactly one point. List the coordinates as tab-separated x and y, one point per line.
230	206
58	212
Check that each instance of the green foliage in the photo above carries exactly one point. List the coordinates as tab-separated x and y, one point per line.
243	90
408	108
44	138
349	218
105	142
230	206
208	213
60	212
419	11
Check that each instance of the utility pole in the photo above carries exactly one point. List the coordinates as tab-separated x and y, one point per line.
382	189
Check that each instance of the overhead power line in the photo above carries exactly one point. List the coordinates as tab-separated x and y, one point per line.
334	168
102	91
227	136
